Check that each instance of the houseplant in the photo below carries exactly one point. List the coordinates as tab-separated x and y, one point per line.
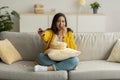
6	18
95	6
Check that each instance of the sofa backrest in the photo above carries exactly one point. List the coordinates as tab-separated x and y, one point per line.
92	45
29	45
97	45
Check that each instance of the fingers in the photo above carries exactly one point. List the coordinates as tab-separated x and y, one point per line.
62	27
40	32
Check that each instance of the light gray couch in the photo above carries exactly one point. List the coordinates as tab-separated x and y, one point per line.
95	48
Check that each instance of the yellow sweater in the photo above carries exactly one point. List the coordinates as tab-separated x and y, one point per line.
50	36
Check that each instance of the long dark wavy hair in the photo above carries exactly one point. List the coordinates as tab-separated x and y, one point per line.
54	21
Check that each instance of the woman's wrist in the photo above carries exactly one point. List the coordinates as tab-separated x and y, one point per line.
64	32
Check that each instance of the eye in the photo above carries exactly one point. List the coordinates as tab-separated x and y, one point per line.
58	21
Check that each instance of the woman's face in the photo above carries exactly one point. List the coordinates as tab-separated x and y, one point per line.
60	24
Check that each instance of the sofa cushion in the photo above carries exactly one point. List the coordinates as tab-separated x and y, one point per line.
115	53
23	70
96	69
29	45
96	45
8	52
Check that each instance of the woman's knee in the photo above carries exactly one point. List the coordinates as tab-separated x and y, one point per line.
74	60
43	59
40	57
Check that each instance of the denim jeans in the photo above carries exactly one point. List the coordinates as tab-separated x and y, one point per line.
68	64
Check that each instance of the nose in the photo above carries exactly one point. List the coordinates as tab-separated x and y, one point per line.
60	23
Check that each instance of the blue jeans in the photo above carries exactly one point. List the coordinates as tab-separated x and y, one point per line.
68	64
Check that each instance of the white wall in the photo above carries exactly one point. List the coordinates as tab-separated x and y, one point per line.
108	7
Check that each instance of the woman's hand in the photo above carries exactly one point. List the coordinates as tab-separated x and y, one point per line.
63	31
41	32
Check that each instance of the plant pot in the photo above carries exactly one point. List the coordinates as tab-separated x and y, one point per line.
95	10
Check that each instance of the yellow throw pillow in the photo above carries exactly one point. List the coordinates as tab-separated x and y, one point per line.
8	53
115	53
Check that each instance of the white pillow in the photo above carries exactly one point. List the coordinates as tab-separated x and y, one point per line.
58	45
59	55
63	53
115	53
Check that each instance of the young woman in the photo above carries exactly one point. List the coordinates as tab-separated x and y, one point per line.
58	32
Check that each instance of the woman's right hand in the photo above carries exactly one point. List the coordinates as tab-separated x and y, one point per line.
41	32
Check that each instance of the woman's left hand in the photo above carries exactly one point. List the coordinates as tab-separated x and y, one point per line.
64	30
